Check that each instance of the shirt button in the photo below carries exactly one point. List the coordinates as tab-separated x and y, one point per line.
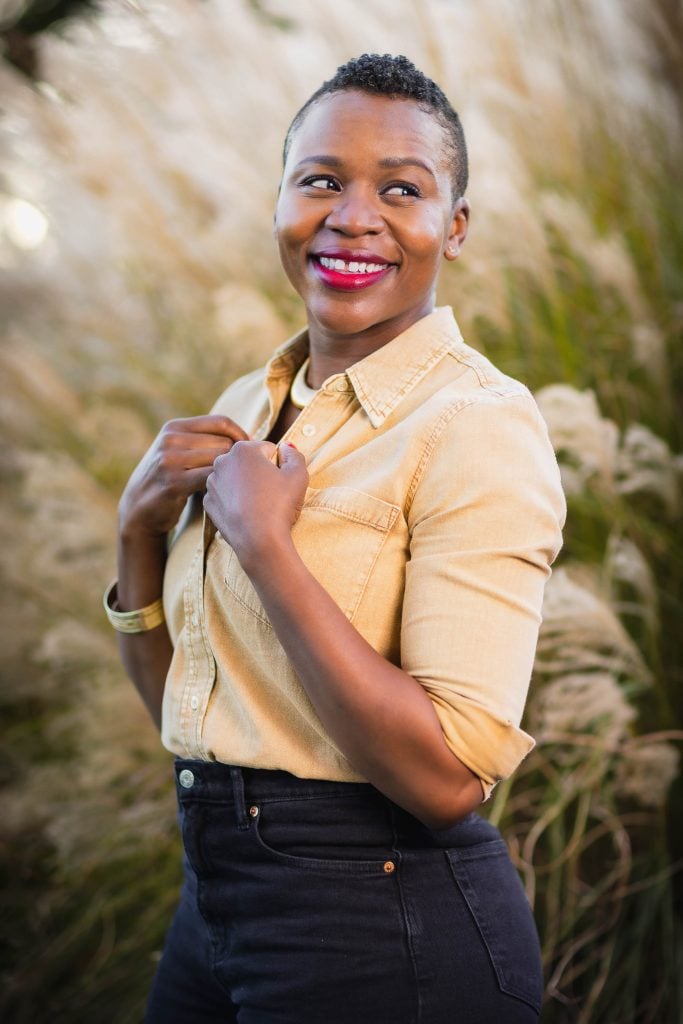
308	430
186	778
195	619
341	385
194	703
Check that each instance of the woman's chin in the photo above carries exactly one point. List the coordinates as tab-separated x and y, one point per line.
352	316
356	317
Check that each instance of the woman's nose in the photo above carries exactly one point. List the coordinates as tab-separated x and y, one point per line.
355	213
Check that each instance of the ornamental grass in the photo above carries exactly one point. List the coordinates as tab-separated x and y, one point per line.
139	277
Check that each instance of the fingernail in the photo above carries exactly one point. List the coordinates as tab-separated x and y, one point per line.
292	445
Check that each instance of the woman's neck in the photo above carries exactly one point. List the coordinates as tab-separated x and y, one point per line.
332	352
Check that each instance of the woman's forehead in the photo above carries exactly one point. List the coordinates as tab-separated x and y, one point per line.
342	123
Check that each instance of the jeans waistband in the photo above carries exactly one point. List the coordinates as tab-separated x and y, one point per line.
214	782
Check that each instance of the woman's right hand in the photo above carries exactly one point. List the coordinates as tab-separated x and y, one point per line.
176	465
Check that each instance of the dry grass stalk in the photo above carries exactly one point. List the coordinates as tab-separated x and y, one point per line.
156	169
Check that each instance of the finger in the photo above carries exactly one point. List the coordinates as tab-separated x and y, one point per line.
267	449
195	457
212	425
170	464
248	449
194	480
289	458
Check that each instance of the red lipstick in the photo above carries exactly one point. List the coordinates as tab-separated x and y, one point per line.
350	269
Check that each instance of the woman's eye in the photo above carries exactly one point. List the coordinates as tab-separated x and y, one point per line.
321	181
402	189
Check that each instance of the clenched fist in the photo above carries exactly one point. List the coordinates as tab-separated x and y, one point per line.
176	465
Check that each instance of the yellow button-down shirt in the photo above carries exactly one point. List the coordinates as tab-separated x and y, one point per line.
433	514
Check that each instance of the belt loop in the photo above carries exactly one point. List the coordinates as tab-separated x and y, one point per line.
238	793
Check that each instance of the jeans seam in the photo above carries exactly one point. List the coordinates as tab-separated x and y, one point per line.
406	919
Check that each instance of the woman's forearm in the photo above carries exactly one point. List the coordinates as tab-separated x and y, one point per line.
174	468
146	656
379	716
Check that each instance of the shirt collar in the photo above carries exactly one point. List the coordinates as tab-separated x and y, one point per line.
386	376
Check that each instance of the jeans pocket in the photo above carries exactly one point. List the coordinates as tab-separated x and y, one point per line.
329	835
496	899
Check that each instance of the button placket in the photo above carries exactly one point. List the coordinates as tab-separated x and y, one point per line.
190	685
201	666
321	417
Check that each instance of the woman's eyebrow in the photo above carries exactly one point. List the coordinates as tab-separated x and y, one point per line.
388	161
406	161
330	161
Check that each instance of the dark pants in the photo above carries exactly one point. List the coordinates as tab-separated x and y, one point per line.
309	902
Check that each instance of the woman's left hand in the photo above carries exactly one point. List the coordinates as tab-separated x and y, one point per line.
254	496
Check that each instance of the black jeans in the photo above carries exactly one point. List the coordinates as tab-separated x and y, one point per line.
309	902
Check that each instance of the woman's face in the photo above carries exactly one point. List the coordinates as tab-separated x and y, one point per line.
365	214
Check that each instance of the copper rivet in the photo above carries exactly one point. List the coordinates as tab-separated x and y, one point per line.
253	811
389	866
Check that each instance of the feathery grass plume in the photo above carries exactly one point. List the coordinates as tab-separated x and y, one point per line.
140	276
583	703
646	774
582	631
645	465
633	592
585	443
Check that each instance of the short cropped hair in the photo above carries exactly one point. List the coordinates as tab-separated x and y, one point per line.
397	78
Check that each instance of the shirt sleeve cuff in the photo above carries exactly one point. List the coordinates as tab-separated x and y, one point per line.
490	746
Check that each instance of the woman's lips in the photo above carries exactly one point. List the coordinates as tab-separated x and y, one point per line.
349	274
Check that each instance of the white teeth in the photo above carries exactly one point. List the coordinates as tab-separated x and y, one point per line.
352	267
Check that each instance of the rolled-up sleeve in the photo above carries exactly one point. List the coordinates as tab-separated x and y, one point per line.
485	525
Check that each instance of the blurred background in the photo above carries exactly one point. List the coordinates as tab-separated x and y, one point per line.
140	148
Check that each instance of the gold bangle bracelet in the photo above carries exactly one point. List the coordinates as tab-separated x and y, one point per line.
139	621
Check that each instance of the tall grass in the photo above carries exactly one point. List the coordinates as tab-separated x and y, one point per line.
152	147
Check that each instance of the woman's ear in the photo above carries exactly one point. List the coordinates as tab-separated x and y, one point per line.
458	230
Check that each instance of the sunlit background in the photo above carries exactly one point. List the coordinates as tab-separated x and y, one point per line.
140	151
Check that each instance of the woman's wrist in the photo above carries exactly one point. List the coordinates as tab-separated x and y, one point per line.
136	533
141	565
139	620
261	557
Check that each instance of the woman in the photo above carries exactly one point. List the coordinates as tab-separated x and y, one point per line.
352	617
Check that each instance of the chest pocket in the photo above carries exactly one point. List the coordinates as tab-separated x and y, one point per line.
339	536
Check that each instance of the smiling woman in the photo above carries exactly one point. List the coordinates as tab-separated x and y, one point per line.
353	218
351	616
